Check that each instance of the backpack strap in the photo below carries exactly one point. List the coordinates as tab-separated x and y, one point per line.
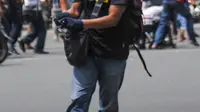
142	60
136	12
96	9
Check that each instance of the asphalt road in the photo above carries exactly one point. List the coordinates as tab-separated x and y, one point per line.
42	83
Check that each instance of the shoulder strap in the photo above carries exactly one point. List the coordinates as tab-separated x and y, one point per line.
142	60
96	9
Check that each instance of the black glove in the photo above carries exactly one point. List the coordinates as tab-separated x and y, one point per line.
74	25
57	19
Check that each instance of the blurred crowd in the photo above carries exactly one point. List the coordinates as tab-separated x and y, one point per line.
33	16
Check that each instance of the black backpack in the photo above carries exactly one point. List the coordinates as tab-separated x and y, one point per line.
135	23
135	27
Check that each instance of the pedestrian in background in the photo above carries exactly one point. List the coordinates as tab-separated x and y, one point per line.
13	21
33	14
171	7
57	7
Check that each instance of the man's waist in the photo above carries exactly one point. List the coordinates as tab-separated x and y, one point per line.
120	53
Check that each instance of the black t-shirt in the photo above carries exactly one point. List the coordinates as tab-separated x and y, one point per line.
109	42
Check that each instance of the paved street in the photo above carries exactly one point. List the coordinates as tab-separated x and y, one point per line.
42	83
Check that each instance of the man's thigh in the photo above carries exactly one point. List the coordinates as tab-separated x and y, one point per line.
110	80
111	73
84	79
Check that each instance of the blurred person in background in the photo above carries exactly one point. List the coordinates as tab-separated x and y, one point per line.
4	16
186	23
13	21
58	6
46	12
32	14
171	7
182	26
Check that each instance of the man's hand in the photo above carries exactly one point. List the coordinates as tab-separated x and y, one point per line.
59	18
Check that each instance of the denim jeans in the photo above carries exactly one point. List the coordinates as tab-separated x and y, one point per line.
108	72
14	20
187	23
167	13
190	29
182	22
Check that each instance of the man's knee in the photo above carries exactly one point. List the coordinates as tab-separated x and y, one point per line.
81	97
82	92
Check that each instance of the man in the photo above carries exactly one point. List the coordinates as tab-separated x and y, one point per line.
171	7
46	12
32	13
108	54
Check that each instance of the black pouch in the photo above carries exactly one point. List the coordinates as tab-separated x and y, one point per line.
76	47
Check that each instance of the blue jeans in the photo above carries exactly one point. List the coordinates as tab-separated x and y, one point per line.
190	28
166	15
186	23
108	72
14	20
182	22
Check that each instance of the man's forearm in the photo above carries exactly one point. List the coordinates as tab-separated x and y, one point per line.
103	22
63	5
111	20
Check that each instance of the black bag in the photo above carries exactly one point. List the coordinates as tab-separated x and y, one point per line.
76	47
135	25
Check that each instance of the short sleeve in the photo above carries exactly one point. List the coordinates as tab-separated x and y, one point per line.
119	2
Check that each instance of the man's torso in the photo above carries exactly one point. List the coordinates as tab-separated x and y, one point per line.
108	42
